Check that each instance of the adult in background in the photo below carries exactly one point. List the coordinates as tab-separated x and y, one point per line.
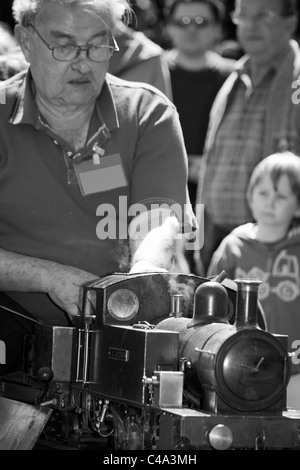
83	159
197	73
251	117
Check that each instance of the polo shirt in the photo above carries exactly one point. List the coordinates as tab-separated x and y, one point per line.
43	212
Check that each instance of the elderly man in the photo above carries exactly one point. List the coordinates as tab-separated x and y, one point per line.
83	159
251	116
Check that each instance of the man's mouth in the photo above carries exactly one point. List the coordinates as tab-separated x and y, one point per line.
79	81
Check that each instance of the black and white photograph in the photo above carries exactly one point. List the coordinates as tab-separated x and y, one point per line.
149	230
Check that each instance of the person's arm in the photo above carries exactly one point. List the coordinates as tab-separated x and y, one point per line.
224	258
20	273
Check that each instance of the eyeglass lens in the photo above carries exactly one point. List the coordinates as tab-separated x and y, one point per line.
197	21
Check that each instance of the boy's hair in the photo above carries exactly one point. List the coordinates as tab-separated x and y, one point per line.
277	165
289	7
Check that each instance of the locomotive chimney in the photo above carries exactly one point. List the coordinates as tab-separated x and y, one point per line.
246	303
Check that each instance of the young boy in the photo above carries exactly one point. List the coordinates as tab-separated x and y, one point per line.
269	250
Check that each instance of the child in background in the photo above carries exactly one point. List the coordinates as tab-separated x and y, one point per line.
269	250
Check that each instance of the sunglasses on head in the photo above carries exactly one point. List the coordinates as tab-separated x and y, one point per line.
187	21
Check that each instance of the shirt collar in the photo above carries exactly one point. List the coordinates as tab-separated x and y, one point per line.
25	110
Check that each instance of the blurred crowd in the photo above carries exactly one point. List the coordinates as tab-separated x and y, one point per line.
150	17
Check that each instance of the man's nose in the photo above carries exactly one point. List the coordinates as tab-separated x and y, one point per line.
82	62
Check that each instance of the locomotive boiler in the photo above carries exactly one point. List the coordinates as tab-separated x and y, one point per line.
161	361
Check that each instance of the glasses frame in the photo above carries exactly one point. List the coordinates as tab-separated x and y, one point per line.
197	21
78	49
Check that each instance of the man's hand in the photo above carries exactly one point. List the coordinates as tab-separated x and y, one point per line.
64	287
21	273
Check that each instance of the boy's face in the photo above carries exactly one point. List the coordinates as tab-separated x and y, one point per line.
274	208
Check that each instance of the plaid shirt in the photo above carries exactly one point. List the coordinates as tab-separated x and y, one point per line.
236	150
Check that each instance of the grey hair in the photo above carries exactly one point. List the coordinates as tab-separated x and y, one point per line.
115	11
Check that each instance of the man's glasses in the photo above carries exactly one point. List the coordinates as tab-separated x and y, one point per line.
264	17
70	52
187	21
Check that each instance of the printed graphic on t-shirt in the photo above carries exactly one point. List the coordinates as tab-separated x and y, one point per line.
285	278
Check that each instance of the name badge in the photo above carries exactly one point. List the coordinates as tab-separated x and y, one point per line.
99	175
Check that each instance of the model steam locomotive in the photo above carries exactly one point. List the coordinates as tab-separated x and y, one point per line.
162	361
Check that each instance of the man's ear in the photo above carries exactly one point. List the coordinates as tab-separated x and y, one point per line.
292	24
22	37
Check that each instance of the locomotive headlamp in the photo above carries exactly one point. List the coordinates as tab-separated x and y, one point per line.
123	304
220	437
